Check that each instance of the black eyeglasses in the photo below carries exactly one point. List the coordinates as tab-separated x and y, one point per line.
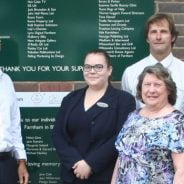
97	68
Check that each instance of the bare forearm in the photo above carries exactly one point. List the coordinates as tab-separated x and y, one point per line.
22	172
114	176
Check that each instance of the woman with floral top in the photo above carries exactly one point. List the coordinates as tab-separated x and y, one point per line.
151	142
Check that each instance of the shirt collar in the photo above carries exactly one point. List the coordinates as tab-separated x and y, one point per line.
165	62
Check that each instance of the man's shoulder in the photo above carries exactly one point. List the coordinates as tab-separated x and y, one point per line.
178	61
5	77
140	64
137	67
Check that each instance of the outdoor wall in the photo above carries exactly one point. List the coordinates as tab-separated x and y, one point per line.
39	168
173	7
33	116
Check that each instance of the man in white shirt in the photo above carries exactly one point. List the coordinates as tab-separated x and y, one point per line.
12	152
161	35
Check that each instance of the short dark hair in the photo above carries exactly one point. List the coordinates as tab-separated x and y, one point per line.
159	17
161	73
101	52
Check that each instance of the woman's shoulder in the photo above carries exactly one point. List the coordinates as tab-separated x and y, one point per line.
126	97
121	92
178	115
75	93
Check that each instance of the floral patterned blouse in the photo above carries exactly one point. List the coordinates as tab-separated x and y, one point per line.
145	147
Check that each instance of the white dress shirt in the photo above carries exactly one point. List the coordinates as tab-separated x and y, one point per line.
10	127
175	67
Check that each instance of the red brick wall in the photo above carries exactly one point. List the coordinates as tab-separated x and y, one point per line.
176	9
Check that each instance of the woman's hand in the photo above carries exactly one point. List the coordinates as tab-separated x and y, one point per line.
82	170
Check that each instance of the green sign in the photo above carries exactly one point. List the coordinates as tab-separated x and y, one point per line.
43	163
47	40
38	112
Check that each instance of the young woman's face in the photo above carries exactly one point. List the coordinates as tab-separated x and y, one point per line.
96	72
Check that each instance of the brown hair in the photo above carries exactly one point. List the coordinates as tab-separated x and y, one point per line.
101	52
159	17
161	73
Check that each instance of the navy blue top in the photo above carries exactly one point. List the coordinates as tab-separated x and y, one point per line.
79	127
90	135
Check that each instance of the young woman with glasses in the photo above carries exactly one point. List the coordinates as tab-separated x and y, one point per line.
88	122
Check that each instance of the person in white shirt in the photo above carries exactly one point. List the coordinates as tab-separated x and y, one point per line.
161	35
12	152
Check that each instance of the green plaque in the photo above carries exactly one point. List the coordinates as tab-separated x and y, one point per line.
43	162
38	112
47	40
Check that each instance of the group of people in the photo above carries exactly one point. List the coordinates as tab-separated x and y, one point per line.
105	135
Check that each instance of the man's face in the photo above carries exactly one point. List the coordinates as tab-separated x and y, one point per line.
159	38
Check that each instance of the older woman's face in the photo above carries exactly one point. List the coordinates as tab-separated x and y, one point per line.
98	75
154	91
